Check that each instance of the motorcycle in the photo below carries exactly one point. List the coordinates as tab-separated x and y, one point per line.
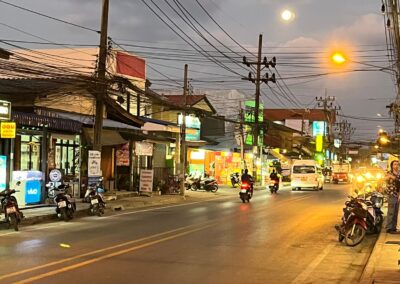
9	206
354	226
235	180
375	214
273	186
189	180
98	186
206	183
246	192
97	203
66	206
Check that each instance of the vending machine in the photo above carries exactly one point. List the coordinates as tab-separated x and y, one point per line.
29	190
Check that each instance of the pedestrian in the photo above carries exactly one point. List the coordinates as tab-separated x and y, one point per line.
393	188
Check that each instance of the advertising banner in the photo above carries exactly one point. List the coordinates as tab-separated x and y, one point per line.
122	155
94	164
146	181
3	172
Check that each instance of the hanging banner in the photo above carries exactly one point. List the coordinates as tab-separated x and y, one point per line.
122	155
8	130
94	164
143	149
146	181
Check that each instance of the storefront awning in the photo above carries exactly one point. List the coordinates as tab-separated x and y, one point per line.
109	137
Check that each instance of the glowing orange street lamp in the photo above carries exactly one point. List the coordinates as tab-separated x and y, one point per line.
338	58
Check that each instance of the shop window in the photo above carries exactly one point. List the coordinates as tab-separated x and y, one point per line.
30	152
67	156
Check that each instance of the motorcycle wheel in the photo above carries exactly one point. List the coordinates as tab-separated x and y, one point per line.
214	188
64	214
193	187
243	200
378	226
14	221
340	237
357	237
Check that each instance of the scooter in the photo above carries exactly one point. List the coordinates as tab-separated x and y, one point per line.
235	180
66	206
9	206
97	203
354	226
273	186
246	192
98	186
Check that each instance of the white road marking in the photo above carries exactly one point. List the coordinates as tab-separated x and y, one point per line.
301	278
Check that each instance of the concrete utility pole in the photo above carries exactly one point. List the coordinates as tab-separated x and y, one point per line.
101	90
345	131
327	104
183	133
257	81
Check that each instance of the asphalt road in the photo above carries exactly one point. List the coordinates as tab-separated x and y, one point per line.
284	238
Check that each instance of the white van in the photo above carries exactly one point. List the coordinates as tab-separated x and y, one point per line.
306	174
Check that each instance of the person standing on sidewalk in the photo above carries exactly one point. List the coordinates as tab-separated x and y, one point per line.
393	188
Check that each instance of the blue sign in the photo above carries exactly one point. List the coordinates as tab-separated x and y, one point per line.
3	172
32	191
319	128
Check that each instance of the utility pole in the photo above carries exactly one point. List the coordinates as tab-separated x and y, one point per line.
183	132
327	104
257	81
241	133
101	90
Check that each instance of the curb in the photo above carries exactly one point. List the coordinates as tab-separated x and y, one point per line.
367	277
113	206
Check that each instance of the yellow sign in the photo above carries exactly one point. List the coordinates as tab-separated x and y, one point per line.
319	142
8	130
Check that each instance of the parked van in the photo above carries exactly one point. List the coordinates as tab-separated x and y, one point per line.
306	174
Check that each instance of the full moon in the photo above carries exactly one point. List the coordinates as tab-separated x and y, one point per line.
287	15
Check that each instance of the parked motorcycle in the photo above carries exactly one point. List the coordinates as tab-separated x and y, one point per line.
66	206
235	180
354	226
98	186
206	183
273	186
189	180
375	214
9	205
97	203
246	192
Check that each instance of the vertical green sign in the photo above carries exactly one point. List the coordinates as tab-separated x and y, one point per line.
249	116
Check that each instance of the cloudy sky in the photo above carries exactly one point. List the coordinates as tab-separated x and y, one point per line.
301	46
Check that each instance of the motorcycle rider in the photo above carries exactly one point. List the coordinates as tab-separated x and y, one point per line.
393	188
274	176
248	179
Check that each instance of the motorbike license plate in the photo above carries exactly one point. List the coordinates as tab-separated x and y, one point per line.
340	179
243	190
11	210
94	201
303	178
62	204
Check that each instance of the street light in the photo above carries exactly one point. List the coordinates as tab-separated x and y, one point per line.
338	58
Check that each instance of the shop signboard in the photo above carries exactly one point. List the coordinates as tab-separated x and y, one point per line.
8	130
32	191
192	122
146	181
319	128
5	110
122	155
3	172
143	149
249	116
55	175
94	164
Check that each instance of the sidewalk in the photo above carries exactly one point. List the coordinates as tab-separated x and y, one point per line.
383	264
118	201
